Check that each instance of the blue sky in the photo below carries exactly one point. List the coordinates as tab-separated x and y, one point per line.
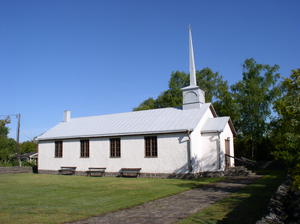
99	57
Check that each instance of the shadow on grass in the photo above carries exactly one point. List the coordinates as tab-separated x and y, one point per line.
251	203
245	206
228	184
199	183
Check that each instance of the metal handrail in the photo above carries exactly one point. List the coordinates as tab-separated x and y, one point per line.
243	160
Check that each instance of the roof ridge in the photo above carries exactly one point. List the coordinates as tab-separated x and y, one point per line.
139	111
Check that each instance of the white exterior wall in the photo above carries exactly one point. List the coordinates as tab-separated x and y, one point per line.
172	154
206	155
226	134
203	148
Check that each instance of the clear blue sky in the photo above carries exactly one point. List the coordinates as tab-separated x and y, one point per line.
99	57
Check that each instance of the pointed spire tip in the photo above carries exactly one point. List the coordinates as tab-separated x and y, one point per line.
192	61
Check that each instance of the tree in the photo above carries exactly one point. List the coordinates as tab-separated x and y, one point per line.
7	149
146	105
3	129
225	104
7	145
207	80
28	146
254	96
286	129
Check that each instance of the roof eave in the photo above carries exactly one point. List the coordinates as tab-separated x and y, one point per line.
114	134
212	109
211	131
232	127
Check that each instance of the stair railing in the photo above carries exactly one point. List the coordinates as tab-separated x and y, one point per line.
243	160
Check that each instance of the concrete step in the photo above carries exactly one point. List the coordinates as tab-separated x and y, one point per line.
238	171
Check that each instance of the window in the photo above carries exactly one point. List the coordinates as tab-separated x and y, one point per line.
115	147
84	148
151	146
58	149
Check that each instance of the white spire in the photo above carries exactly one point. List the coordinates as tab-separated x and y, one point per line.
193	81
192	96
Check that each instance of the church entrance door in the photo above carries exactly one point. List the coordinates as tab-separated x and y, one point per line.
227	152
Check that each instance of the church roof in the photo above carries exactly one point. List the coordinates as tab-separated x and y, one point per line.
165	120
217	124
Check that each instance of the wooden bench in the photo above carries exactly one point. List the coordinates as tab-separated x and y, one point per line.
67	170
130	172
96	171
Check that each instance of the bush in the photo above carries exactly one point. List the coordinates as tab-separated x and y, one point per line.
28	163
9	163
296	178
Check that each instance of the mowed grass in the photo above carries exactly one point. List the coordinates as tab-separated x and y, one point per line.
32	198
246	206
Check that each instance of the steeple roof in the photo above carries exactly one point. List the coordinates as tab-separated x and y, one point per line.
193	97
193	81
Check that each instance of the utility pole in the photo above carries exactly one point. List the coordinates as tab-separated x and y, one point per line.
18	138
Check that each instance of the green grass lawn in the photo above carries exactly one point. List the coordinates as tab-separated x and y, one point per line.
31	198
246	206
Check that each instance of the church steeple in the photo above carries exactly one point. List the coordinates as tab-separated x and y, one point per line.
193	96
193	81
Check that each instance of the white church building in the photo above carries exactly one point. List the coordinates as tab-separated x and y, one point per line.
190	139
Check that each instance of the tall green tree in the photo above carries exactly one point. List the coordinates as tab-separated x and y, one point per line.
7	145
3	129
254	96
211	82
224	103
286	129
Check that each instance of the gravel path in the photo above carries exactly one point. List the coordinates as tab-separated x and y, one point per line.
172	209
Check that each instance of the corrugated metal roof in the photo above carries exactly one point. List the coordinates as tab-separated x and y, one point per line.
216	124
137	122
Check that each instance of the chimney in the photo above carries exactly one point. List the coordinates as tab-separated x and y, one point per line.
67	115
